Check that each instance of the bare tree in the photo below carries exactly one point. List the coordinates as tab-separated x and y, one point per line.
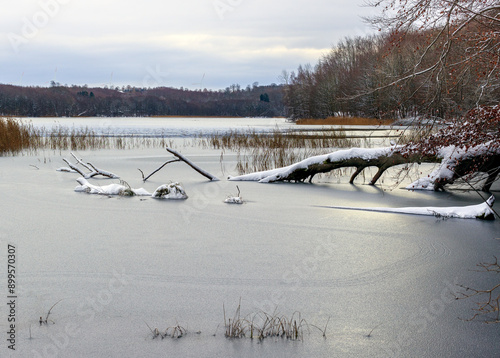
461	41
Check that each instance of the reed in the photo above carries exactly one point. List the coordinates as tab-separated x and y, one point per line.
15	136
175	332
278	139
263	325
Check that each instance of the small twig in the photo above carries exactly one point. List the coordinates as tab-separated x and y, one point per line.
46	320
48	313
154	332
157	170
326	325
34	166
370	334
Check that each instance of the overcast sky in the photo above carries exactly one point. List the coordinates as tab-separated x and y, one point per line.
149	43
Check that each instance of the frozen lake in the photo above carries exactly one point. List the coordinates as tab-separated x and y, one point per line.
119	264
179	127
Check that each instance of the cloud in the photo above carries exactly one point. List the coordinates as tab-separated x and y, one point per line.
87	41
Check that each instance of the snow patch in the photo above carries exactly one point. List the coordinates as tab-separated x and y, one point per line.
170	191
234	200
481	211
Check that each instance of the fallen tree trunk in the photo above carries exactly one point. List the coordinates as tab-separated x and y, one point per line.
454	164
180	158
192	165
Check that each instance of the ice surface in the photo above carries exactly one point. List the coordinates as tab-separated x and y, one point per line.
119	263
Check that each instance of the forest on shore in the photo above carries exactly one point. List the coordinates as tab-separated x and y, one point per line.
72	101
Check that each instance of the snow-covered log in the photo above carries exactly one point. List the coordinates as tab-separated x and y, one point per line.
482	211
111	189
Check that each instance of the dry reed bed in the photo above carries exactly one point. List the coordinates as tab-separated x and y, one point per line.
16	136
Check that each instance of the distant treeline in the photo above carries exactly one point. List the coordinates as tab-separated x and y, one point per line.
71	101
378	77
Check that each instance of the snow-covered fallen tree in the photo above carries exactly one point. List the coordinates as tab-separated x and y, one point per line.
360	158
482	211
462	149
453	161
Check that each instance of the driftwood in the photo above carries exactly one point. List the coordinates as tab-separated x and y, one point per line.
93	171
383	158
192	165
157	170
182	158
